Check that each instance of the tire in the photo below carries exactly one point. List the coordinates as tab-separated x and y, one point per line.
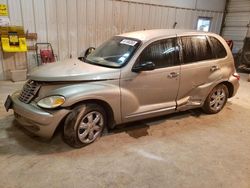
216	99
84	125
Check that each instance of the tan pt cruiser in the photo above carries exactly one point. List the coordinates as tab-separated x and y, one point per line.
130	77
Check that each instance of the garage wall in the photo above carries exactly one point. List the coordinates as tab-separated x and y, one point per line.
237	22
74	25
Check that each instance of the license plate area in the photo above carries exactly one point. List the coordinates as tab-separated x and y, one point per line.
8	103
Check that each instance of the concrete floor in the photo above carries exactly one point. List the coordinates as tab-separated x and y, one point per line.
187	149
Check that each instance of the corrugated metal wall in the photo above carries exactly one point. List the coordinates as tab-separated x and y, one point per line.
237	22
74	25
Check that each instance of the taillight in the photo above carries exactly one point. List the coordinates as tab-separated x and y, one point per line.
236	75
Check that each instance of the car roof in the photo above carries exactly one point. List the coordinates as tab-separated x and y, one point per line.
146	35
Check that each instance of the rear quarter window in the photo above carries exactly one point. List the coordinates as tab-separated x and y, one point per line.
218	49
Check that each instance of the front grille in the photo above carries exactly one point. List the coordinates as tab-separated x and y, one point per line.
29	91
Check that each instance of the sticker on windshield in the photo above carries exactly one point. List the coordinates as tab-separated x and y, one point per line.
128	42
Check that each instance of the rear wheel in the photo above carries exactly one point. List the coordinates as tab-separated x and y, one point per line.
84	125
216	99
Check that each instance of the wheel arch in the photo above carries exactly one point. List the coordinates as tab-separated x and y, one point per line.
106	106
103	104
230	88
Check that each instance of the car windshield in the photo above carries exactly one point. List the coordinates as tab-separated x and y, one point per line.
114	53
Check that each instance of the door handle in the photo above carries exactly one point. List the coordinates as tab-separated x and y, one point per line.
173	75
214	68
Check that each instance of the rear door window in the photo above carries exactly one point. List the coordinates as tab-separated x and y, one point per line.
163	53
196	48
218	49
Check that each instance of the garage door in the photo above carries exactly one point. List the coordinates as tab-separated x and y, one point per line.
237	22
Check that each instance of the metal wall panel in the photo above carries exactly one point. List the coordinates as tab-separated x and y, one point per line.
212	5
238	6
237	22
73	25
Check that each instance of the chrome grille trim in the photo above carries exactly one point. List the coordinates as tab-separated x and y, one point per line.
29	91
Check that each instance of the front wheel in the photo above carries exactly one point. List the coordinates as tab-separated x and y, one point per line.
216	99
84	125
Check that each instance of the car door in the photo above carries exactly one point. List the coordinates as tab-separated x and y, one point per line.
149	93
200	70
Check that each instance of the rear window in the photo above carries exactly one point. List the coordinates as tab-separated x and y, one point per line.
196	48
218	49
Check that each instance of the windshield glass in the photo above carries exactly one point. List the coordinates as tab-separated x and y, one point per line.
114	53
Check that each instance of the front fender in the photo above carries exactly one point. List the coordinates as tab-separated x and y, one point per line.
106	91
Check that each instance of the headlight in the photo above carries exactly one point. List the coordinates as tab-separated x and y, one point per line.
51	102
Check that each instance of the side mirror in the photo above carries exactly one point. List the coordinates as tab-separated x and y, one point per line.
86	53
89	51
147	66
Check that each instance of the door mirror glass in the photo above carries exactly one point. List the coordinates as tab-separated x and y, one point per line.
147	66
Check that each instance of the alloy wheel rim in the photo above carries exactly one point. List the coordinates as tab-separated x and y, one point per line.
90	127
217	99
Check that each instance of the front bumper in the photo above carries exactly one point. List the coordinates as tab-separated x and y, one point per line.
35	119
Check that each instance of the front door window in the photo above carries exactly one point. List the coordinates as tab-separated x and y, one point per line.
163	53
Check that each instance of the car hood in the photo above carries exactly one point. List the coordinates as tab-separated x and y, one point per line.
73	70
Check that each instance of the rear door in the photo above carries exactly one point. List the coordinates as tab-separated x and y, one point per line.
200	69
